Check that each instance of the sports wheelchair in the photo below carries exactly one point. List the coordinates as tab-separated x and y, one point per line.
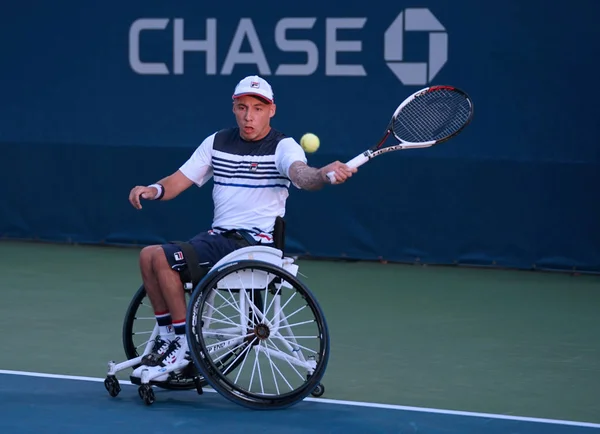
255	332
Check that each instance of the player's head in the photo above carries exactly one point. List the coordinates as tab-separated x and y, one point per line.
253	106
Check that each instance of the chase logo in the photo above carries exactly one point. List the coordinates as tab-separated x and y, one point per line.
415	20
316	38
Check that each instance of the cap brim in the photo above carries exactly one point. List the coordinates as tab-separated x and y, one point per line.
257	95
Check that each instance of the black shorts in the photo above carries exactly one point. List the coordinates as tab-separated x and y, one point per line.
210	247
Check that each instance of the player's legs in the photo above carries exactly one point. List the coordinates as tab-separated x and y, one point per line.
150	278
171	290
171	345
209	249
169	282
165	263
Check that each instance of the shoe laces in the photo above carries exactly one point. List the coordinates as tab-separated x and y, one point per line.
172	353
160	346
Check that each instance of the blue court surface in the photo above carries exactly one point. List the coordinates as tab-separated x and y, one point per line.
44	403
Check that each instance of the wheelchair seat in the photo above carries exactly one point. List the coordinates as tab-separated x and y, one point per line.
258	252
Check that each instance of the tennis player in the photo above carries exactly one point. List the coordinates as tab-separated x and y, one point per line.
252	167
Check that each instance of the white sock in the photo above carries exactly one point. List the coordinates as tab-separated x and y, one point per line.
166	332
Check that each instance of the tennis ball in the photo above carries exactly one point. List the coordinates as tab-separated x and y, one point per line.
310	142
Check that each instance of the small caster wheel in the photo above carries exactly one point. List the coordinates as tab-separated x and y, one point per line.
318	391
112	385
149	399
146	393
198	384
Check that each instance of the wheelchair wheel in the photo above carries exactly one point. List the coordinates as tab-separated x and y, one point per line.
267	325
137	331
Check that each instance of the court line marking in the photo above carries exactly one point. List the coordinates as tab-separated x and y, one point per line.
349	403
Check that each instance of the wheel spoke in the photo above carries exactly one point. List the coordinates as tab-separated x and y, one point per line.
263	364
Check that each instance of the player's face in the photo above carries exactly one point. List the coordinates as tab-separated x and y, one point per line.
253	116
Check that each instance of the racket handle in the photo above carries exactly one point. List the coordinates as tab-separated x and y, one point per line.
357	161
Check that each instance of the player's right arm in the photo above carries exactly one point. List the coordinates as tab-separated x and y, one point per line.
172	186
196	170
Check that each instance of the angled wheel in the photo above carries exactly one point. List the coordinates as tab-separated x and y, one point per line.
267	326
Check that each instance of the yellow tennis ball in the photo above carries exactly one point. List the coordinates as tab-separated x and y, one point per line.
310	142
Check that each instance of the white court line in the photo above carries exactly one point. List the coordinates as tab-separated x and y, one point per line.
350	403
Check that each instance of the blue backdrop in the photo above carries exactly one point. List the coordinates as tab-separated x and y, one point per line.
97	98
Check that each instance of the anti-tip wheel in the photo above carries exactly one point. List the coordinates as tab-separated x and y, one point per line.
146	393
318	391
112	385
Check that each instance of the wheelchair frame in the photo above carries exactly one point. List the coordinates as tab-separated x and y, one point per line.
238	260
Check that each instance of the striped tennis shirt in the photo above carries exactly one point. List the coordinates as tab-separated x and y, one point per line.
251	179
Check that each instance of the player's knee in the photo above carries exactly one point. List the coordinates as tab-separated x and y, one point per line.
159	260
147	256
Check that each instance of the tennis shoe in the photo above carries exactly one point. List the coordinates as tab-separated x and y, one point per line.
158	352
176	354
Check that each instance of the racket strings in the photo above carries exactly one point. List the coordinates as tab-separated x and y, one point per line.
432	116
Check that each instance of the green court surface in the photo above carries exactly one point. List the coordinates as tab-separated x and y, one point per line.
478	340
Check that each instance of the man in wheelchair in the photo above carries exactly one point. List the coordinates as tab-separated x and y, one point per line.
252	167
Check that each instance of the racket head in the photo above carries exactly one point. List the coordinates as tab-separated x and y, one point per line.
431	115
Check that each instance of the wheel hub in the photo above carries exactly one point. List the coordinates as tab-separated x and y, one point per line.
262	332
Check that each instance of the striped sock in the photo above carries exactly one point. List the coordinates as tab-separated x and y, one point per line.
179	327
164	322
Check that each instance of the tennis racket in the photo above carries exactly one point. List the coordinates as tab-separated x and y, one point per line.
426	118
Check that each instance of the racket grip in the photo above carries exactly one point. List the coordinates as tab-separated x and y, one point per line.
357	161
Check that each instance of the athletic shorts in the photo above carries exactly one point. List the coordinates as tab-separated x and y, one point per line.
210	247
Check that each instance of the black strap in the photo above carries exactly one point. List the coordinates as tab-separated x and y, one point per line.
242	238
192	262
279	233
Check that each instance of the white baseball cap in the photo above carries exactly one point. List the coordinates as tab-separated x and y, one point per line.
254	85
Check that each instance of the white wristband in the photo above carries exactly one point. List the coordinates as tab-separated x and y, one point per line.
159	190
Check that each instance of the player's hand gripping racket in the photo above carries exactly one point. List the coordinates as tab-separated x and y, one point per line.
427	117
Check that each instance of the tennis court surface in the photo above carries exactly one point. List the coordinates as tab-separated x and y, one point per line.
36	402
